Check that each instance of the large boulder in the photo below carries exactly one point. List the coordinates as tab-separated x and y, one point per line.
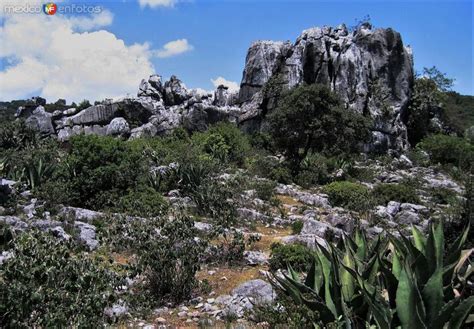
118	127
41	121
371	70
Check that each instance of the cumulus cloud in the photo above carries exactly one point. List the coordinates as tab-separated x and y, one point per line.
157	3
87	23
174	48
59	57
232	85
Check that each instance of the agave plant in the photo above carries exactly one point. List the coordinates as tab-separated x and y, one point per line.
329	288
401	282
37	172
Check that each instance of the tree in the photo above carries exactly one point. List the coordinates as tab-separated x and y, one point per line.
443	83
312	118
429	94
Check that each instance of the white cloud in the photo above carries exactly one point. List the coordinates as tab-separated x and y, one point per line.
157	3
233	86
174	48
53	56
85	23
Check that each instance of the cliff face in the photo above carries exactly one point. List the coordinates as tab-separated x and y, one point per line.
371	71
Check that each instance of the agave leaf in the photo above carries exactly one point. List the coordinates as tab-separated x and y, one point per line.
455	250
433	295
461	313
325	313
391	282
465	254
314	277
444	314
408	308
420	241
361	244
288	288
326	268
293	274
347	281
396	265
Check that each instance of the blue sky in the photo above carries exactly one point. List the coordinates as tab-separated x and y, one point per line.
217	35
440	32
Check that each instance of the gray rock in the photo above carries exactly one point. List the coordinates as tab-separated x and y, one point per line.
308	240
253	258
419	209
118	127
80	214
41	121
407	217
314	227
4	256
393	208
258	289
14	222
353	64
87	234
250	214
117	310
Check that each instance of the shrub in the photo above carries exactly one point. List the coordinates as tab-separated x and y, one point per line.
404	193
47	285
270	167
297	226
172	260
350	195
265	189
313	170
449	150
98	170
311	118
16	135
143	201
442	195
295	255
225	142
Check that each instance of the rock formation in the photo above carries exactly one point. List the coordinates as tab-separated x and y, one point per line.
371	70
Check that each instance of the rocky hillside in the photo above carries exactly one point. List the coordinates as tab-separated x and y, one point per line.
371	70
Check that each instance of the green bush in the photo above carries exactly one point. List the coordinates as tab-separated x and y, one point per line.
225	142
97	171
16	135
349	195
171	260
297	226
449	150
143	201
46	284
310	118
295	255
265	189
270	167
313	170
404	193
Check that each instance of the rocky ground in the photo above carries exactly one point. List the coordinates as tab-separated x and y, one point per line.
231	291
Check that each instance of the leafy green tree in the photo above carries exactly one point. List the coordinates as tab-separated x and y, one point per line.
312	118
427	100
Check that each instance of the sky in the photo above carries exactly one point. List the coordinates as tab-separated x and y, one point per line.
106	53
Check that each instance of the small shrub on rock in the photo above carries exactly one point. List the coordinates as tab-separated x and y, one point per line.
403	193
295	255
349	195
143	202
